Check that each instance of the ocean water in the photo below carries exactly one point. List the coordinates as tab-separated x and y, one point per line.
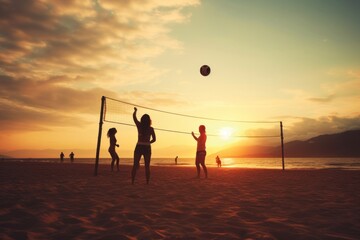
271	163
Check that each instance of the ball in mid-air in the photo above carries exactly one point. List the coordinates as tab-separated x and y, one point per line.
205	70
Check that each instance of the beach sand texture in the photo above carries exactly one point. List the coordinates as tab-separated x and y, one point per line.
65	201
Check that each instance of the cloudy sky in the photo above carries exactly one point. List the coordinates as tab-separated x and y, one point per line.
271	60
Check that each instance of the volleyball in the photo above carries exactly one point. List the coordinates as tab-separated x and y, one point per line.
205	70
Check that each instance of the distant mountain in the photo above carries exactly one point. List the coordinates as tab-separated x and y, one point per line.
345	144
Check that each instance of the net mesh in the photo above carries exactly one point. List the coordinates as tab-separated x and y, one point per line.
120	112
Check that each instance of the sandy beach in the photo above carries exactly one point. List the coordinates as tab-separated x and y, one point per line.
66	201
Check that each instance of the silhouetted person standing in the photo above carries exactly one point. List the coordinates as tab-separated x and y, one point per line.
200	150
114	156
146	136
71	155
176	158
62	155
218	161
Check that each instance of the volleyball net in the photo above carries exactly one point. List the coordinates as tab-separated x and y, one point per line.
120	112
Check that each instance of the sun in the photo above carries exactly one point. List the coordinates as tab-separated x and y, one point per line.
226	132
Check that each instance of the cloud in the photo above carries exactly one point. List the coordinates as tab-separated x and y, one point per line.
343	83
306	128
49	37
302	128
59	57
338	95
22	118
47	95
33	105
322	100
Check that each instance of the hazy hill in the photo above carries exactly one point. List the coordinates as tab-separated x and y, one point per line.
345	144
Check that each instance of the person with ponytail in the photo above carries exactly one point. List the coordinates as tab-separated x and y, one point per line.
114	156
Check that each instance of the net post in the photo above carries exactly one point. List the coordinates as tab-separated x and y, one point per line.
282	145
99	135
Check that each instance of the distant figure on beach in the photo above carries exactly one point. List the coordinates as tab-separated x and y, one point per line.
146	136
114	156
200	150
218	161
176	158
71	155
62	155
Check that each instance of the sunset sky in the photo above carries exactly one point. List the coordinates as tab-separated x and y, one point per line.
272	60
